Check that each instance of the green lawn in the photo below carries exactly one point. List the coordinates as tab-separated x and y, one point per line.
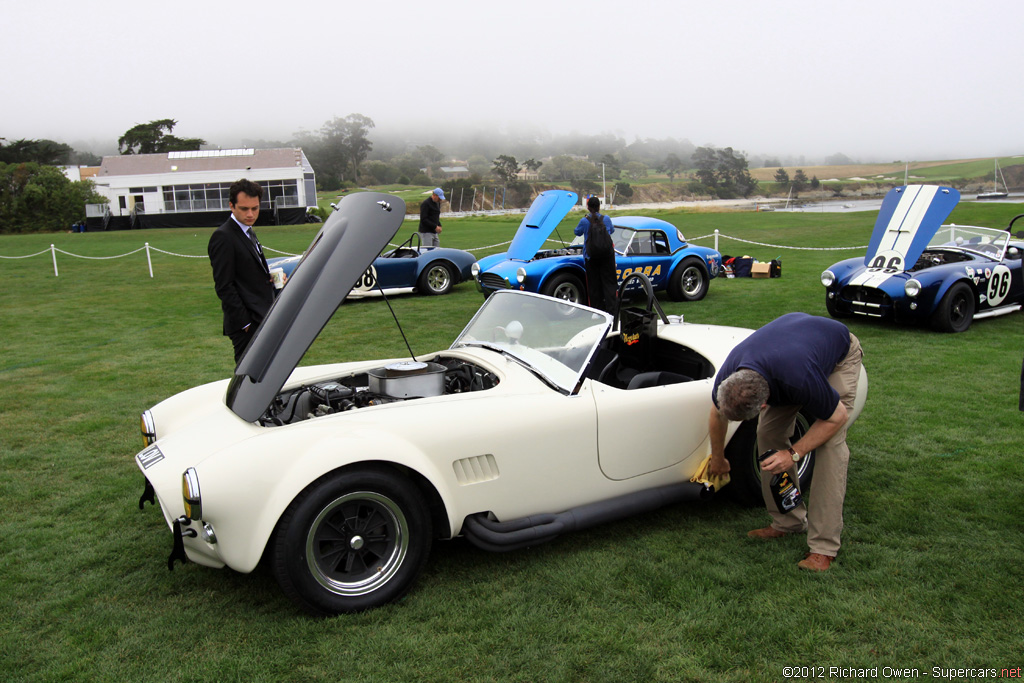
930	574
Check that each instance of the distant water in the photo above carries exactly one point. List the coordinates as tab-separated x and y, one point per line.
840	206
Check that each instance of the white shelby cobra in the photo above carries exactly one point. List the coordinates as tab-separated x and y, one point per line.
543	417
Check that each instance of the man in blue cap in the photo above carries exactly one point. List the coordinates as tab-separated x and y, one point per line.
430	219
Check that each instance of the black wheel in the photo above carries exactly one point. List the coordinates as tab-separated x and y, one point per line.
956	310
833	309
351	541
566	286
745	475
436	279
689	281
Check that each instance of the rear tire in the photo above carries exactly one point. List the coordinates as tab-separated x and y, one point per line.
436	279
745	473
689	281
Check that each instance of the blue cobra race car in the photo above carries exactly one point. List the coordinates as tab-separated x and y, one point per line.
917	269
645	245
407	268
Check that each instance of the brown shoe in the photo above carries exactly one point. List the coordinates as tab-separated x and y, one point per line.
766	533
815	562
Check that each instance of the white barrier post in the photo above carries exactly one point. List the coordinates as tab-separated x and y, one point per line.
53	251
149	260
716	241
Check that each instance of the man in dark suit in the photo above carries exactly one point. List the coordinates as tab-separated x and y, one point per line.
240	273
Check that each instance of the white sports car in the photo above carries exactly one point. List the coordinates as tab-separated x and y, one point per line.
541	417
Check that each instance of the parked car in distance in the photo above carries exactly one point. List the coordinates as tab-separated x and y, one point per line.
409	267
918	270
645	245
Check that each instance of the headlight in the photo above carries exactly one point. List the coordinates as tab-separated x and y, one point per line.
148	427
474	270
912	288
190	494
521	275
828	278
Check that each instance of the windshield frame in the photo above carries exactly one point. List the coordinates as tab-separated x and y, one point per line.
992	242
553	338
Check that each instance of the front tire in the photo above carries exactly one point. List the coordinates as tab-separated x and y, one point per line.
352	540
745	473
436	279
956	310
565	286
689	281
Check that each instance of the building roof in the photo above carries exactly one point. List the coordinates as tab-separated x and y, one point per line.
202	160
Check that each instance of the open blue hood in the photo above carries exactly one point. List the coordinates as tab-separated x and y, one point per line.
546	212
346	245
910	216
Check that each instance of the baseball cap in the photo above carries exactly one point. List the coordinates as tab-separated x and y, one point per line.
439	192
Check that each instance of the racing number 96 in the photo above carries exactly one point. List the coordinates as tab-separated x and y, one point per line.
998	285
892	265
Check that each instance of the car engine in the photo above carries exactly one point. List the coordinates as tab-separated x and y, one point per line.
929	259
402	381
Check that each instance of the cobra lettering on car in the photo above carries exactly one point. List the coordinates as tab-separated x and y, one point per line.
649	271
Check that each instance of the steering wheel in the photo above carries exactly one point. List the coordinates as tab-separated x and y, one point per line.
608	369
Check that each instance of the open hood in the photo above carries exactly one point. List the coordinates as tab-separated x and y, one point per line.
547	210
909	217
347	244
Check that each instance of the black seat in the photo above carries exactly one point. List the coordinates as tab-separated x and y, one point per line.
656	379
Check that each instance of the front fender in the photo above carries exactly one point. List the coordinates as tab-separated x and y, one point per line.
947	283
244	507
544	278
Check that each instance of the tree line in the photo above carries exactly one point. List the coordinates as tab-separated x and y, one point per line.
344	156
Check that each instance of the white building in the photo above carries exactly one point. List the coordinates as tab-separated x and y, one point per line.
190	189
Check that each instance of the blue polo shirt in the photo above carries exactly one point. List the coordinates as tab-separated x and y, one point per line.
795	354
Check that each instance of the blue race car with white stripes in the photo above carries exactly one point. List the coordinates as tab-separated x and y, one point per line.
917	269
645	245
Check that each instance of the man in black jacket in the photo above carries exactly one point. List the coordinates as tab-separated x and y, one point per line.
240	273
430	219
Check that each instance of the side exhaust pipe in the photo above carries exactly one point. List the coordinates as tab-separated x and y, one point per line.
493	536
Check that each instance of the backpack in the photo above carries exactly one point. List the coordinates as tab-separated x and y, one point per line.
599	242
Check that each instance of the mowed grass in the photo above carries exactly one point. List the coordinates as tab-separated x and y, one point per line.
930	574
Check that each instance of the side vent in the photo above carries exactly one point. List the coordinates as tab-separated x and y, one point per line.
479	468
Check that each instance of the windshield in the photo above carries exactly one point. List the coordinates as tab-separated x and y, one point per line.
987	242
552	337
620	239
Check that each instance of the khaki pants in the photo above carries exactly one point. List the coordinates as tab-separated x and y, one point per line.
821	515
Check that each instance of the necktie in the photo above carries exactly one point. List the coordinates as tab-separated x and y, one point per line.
259	249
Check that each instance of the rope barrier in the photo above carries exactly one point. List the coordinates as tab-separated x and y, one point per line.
148	248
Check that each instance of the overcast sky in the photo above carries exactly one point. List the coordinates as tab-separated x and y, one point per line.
875	80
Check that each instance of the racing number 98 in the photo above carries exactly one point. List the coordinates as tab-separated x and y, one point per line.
367	280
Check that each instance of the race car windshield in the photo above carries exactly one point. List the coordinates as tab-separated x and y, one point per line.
553	338
988	242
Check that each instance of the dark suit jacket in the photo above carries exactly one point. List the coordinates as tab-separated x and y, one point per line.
240	277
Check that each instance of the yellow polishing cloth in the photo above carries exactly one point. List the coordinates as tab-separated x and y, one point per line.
702	476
